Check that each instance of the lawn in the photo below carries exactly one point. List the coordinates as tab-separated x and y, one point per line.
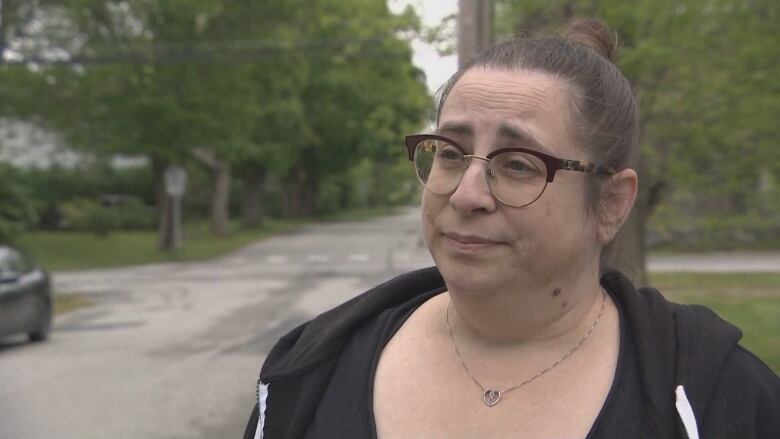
64	303
75	250
57	251
749	300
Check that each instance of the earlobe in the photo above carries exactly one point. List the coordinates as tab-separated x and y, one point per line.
617	198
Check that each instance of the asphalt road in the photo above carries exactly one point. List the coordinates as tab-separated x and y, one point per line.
173	350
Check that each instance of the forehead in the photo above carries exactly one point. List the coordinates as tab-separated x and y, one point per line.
486	99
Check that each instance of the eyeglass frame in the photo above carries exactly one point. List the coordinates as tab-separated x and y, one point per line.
553	164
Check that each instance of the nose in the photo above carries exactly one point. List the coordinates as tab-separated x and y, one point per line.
473	195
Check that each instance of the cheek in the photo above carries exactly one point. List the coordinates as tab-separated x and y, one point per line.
562	221
569	216
431	205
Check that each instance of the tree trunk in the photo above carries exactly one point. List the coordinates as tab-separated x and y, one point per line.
164	235
293	197
254	190
220	202
220	198
379	188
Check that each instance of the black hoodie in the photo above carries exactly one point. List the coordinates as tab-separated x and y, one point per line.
697	381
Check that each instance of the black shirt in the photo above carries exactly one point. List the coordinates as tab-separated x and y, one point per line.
346	408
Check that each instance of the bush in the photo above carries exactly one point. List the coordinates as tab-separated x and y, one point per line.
52	188
709	233
85	214
132	213
108	213
17	212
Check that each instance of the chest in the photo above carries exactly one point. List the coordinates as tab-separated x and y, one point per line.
422	391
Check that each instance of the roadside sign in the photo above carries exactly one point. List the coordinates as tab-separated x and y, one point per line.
175	181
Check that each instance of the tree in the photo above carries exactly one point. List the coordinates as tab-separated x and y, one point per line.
149	98
286	91
359	101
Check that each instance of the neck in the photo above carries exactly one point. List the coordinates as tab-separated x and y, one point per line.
535	313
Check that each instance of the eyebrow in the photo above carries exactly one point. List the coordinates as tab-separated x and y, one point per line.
455	128
524	137
506	131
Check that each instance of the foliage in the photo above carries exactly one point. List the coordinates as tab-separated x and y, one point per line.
734	231
47	190
294	92
55	185
87	214
17	212
104	216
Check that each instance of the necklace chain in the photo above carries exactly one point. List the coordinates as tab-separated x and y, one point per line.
492	397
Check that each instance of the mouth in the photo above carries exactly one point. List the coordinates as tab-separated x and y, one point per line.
465	242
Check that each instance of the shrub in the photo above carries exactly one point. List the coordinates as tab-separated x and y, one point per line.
86	214
17	211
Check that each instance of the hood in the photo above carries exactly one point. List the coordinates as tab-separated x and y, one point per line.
312	343
677	345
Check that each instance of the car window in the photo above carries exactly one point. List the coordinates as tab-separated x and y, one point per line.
25	263
11	262
5	260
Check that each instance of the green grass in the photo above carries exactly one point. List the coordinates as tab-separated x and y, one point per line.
68	302
57	251
749	300
77	250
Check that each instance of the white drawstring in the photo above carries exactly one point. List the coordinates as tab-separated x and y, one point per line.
262	395
685	411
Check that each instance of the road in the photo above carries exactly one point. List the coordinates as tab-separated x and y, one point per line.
173	350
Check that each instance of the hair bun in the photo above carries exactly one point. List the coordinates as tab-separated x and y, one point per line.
594	34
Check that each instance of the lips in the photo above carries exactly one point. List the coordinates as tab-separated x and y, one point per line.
466	242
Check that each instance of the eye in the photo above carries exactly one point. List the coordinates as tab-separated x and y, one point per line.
449	153
517	165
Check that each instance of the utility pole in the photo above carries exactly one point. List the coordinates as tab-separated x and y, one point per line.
475	25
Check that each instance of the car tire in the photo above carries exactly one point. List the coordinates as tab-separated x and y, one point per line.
41	331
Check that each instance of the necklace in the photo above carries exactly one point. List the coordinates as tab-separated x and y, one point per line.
492	397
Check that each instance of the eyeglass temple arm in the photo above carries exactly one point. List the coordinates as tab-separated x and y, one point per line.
579	166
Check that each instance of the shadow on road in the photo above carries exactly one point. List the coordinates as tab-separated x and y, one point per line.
15	342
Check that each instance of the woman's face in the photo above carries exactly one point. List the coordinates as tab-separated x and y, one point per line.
482	245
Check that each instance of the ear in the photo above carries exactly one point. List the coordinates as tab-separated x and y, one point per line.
616	200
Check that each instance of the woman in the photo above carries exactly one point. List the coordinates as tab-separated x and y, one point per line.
516	333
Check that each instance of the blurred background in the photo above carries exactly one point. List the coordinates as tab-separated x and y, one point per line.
183	181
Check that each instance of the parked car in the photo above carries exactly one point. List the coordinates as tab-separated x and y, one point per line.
25	296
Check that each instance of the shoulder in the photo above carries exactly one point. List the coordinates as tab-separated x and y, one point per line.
324	336
746	399
745	371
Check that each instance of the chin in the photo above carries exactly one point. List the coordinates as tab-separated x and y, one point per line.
471	275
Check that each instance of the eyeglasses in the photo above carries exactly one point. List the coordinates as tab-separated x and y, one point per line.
516	176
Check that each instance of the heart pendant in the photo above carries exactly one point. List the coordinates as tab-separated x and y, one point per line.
491	397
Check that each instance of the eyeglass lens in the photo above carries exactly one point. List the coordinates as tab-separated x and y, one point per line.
515	178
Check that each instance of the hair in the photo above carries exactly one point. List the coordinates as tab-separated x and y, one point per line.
604	108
